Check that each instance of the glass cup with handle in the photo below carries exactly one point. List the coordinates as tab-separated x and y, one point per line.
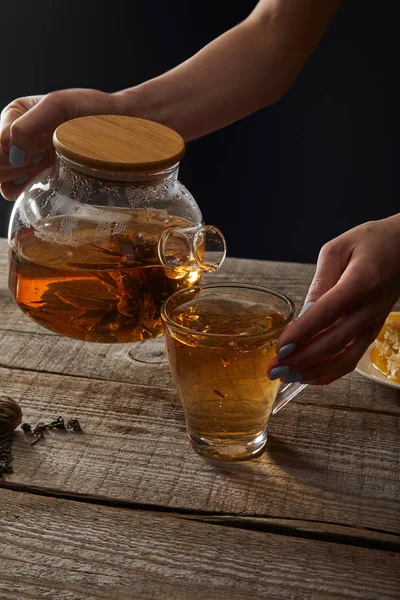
220	339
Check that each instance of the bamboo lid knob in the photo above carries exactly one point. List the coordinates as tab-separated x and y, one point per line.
119	143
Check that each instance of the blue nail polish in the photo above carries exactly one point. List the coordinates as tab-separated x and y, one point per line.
305	308
293	377
20	180
37	158
17	156
286	350
278	372
309	382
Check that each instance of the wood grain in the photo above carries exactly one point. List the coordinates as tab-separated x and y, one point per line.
119	143
43	350
25	345
332	457
322	464
73	551
330	472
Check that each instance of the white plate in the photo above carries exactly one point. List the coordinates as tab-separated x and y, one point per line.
366	368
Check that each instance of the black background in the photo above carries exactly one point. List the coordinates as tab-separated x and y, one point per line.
279	183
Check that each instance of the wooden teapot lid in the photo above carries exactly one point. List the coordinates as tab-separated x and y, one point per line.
119	143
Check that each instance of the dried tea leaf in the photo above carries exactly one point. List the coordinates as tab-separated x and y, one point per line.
127	307
106	250
106	278
84	303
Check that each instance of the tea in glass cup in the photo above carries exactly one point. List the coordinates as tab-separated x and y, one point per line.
220	339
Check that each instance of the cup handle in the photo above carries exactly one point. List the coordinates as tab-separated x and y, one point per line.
287	394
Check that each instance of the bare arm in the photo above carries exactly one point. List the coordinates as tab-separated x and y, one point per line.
245	69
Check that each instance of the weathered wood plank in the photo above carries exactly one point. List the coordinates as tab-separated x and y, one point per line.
331	466
124	363
333	455
27	346
312	529
68	550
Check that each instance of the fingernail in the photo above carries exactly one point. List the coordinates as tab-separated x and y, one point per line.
278	372
16	156
286	350
305	308
310	382
293	377
37	158
20	180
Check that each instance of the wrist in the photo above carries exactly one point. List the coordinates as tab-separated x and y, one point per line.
121	103
129	103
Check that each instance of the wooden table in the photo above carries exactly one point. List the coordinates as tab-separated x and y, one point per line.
127	510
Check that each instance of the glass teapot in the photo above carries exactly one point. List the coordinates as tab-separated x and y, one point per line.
99	241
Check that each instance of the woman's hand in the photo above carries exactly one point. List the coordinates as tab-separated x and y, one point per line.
243	70
27	126
356	284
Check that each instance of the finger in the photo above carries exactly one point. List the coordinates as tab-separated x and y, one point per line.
48	114
31	133
8	116
331	263
12	173
343	362
12	188
11	113
334	339
10	191
4	160
9	173
6	167
329	378
355	287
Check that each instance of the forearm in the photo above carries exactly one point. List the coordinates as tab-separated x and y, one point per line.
222	83
247	68
394	221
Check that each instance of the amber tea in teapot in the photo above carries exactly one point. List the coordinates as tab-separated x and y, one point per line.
95	260
98	290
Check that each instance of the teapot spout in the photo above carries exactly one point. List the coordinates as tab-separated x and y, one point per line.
197	248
